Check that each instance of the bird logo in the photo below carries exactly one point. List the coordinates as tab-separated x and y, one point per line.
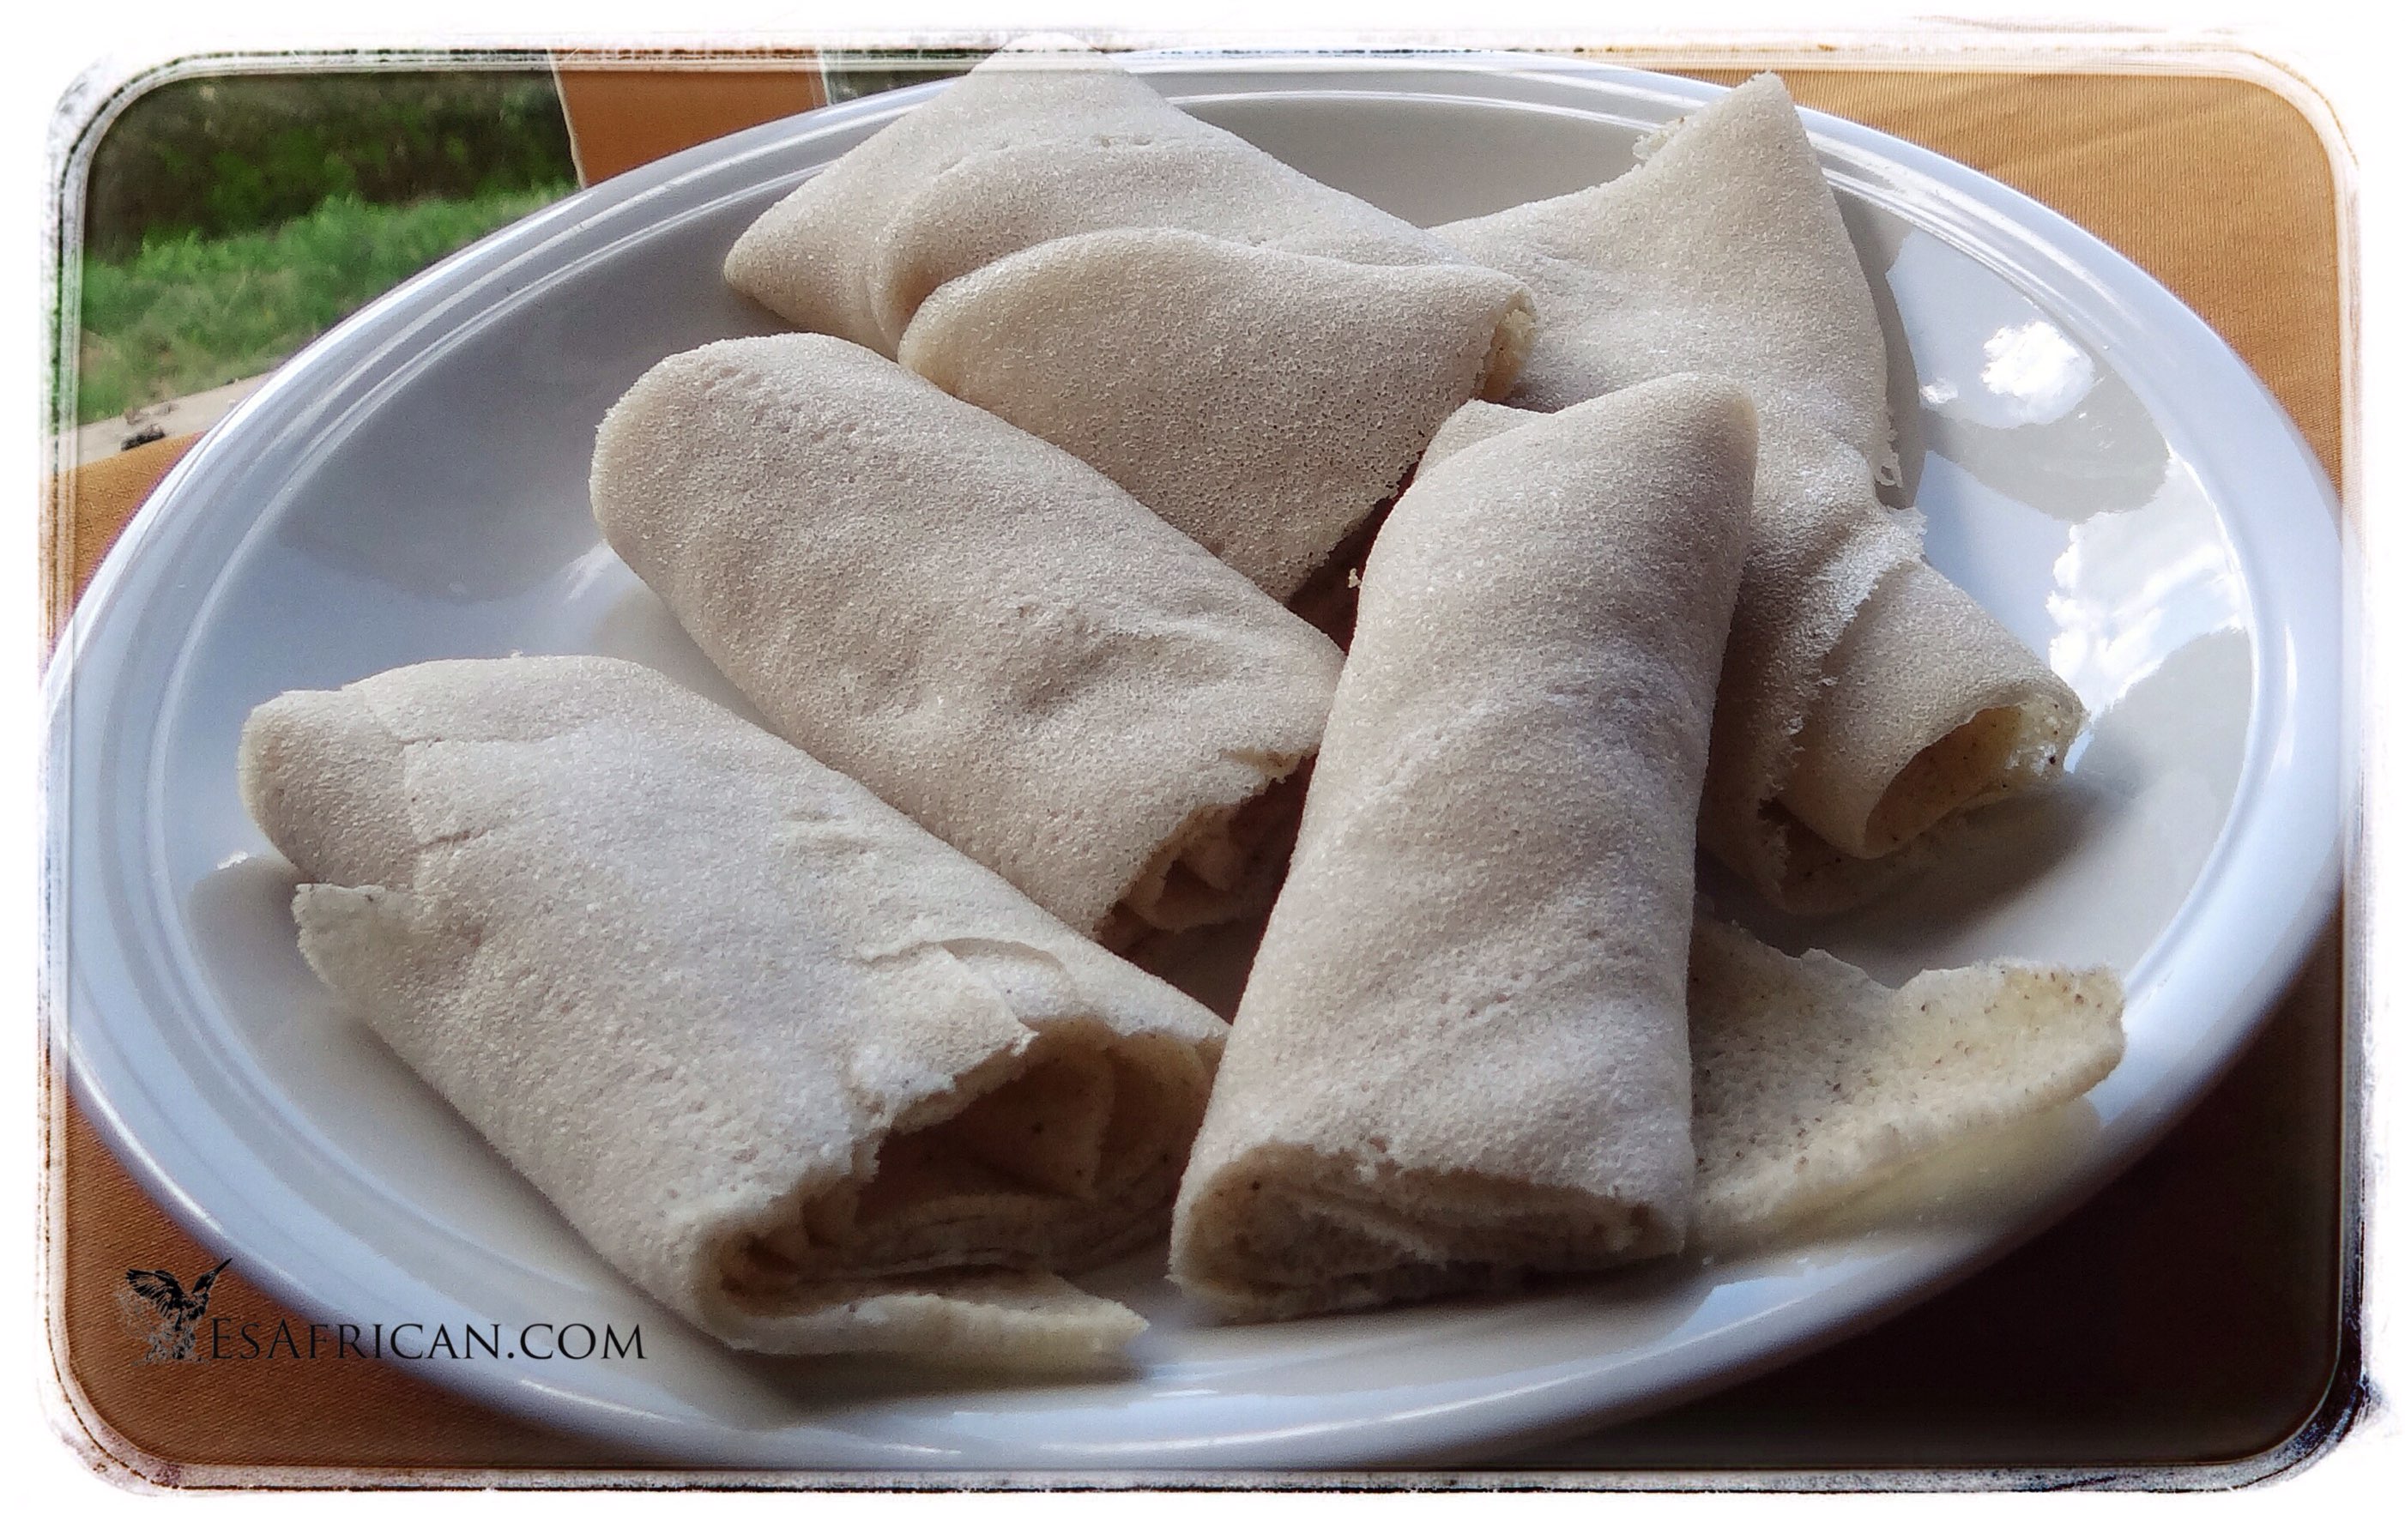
177	1310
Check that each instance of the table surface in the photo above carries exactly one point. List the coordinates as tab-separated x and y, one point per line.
2184	1325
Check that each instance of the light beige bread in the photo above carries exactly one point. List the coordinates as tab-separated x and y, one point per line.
1813	1080
1929	708
811	1077
1462	1054
1045	139
981	629
1265	402
1723	250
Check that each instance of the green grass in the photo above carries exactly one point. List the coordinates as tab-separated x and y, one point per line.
189	314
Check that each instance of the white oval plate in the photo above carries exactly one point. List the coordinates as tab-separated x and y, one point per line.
2096	466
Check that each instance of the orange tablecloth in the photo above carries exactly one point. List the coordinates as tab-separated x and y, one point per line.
2189	1314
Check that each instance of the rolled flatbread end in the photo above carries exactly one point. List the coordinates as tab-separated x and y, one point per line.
811	1077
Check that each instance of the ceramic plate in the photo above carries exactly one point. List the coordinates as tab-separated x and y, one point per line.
2095	465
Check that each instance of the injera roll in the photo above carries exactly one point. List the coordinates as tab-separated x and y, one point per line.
1462	1054
1723	250
1264	402
980	627
807	1075
1042	140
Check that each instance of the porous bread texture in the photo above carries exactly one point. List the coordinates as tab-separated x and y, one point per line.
1263	401
811	1077
1929	709
1813	1080
1723	250
1462	1054
1473	422
984	630
1822	547
1033	144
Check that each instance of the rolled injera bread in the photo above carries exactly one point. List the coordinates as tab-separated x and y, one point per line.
981	629
813	1079
1462	1053
1814	1081
1723	250
1264	402
1045	139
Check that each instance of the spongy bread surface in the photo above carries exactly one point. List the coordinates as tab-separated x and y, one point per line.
1264	402
1813	1080
1931	708
736	1019
986	631
1462	1054
1034	143
1723	250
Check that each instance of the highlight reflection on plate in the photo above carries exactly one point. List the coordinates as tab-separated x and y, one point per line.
2094	465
